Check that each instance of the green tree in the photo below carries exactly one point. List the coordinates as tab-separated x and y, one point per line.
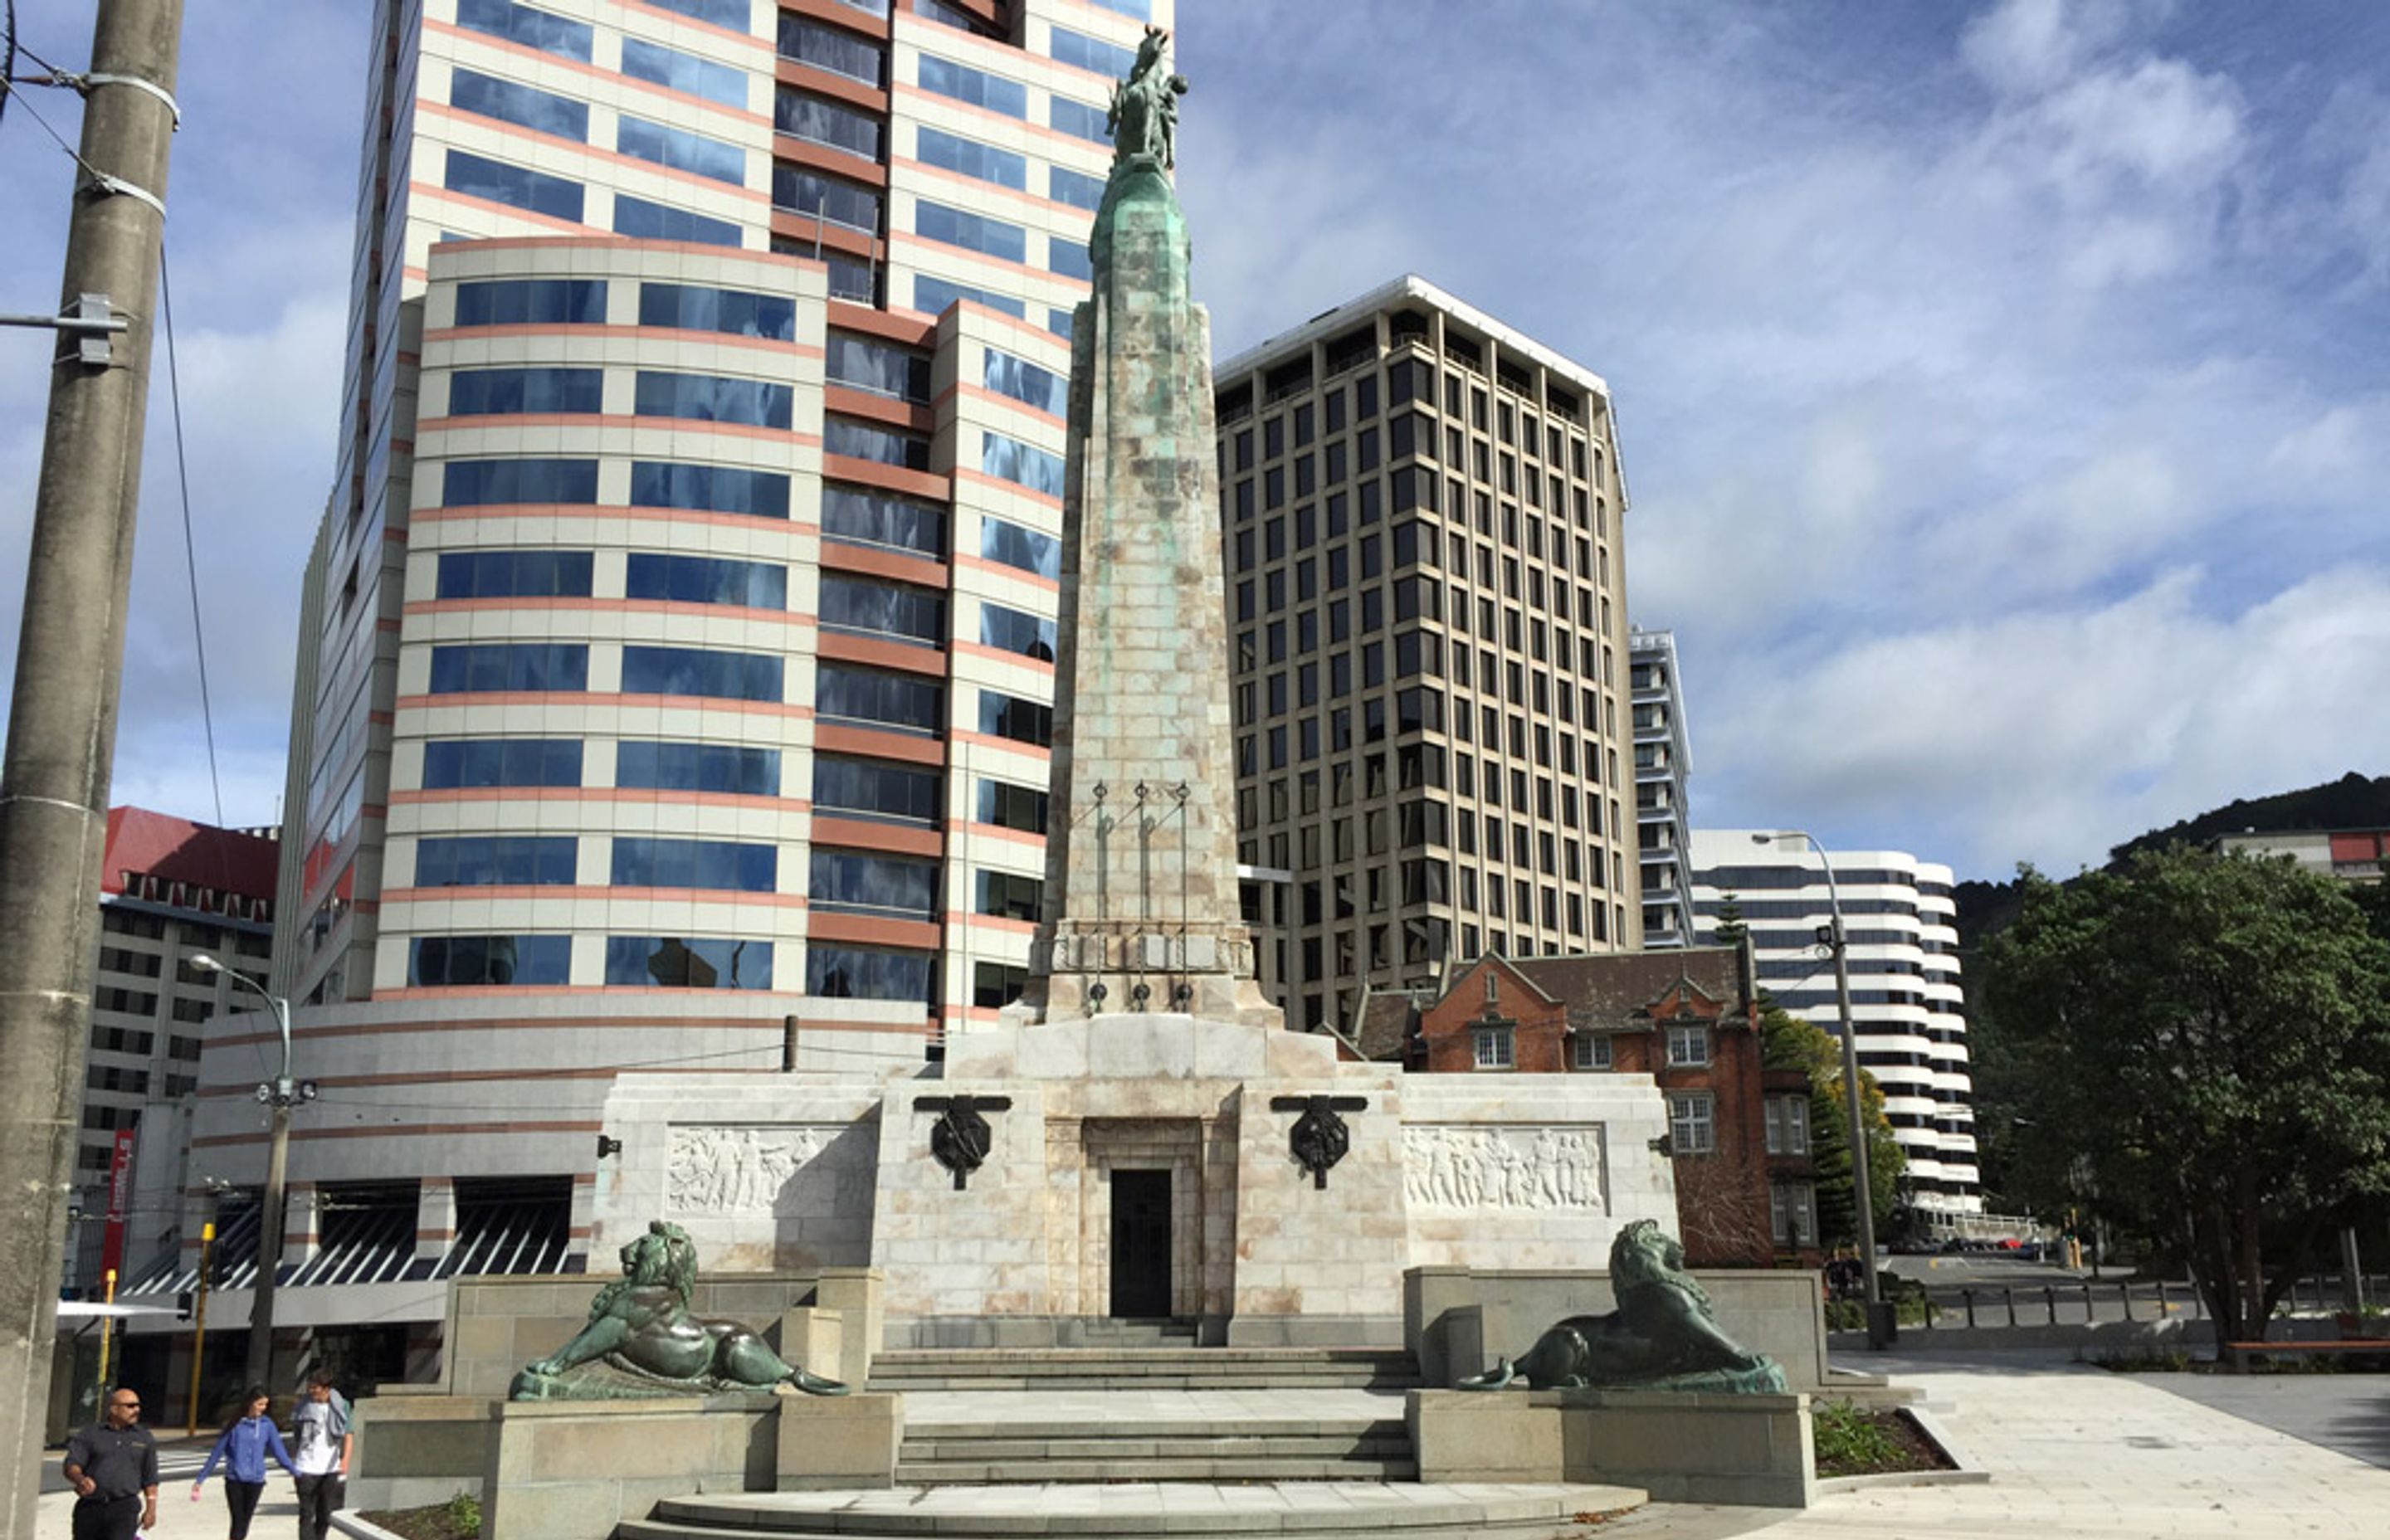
1791	1042
2200	1043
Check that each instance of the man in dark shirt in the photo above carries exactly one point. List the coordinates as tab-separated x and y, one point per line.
113	1469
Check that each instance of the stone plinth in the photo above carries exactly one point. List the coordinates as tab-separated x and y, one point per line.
1742	1450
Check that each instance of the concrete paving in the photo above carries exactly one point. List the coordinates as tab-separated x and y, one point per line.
179	1517
2073	1451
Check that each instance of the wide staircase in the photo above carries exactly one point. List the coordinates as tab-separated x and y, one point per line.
1147	1434
1108	1414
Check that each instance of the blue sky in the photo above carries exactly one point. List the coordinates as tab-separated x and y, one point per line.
2001	387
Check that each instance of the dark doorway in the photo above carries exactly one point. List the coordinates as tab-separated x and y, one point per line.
1141	1245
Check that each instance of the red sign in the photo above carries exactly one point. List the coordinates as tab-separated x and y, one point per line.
119	1202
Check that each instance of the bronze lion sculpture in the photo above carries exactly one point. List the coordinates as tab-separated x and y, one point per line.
642	1341
1663	1335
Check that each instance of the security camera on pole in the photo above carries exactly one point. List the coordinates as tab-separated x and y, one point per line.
1880	1324
277	1093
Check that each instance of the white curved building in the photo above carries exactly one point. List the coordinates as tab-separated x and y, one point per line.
1906	997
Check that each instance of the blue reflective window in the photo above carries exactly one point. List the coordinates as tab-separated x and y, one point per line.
882	609
681	150
476	761
832	48
969	231
1010	894
509	102
514	187
694	671
866	973
726	310
435	961
1136	11
864	518
877	789
518	302
905	701
1065	185
640	862
714	398
736	15
710	488
803	191
1069	258
1025	382
698	767
883	884
1058	321
480	667
1024	548
689	962
524	24
883	369
1008	459
865	441
641	220
517	574
698	77
952	152
933	295
481	483
707	580
1092	53
964	83
1078	120
1002	716
1009	806
1016	631
802	115
496	860
502	392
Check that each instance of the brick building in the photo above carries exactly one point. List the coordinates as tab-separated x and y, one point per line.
1689	1017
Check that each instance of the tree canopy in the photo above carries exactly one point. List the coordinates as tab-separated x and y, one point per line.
1791	1042
2198	1046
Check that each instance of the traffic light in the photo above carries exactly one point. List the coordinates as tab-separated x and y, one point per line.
182	1306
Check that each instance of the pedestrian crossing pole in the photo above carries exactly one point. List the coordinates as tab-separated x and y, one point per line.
199	1328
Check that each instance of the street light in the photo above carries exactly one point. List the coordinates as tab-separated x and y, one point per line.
277	1093
1879	1321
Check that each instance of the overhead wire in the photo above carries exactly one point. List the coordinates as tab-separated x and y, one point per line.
190	548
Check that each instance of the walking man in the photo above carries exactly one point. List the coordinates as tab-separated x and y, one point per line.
321	1425
113	1469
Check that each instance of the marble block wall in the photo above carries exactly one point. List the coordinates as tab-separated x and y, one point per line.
1531	1170
766	1173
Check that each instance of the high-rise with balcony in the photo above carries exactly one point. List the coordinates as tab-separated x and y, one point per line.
1663	761
1906	1000
676	651
1421	508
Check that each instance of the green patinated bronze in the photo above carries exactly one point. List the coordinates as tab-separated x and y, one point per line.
1664	1336
642	1341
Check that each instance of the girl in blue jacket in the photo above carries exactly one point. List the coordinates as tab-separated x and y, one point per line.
243	1445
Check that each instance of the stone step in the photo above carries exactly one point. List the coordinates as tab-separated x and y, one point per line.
1224	1381
1140	1443
1243	1468
1165	1368
1408	1511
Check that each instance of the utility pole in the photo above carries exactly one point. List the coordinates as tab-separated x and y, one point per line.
277	1093
62	712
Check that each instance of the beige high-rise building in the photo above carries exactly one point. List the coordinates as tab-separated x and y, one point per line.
676	650
1427	605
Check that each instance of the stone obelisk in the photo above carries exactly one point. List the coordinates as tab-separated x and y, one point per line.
1142	910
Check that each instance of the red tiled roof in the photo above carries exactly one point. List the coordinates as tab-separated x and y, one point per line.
176	850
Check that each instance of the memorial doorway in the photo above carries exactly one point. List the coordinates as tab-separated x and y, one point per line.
1140	1244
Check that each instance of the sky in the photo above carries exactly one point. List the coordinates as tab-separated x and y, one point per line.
2001	388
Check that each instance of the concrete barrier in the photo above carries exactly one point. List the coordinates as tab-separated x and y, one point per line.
1459	1319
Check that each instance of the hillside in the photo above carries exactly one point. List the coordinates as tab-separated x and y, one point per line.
2351	802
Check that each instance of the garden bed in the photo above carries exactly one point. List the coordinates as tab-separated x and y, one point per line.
1854	1440
458	1518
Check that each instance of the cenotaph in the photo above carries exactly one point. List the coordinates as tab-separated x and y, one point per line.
1139	1136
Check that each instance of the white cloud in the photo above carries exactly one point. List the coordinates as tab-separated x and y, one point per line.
2048	736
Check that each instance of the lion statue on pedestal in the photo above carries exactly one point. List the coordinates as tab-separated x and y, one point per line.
642	1341
1664	1336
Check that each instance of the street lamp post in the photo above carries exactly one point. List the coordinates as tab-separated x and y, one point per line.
1879	1319
277	1093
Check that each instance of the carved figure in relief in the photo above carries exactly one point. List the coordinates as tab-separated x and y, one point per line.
1470	1168
1664	1334
721	1170
641	1338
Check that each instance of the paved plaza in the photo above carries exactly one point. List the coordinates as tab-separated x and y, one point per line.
2071	1451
